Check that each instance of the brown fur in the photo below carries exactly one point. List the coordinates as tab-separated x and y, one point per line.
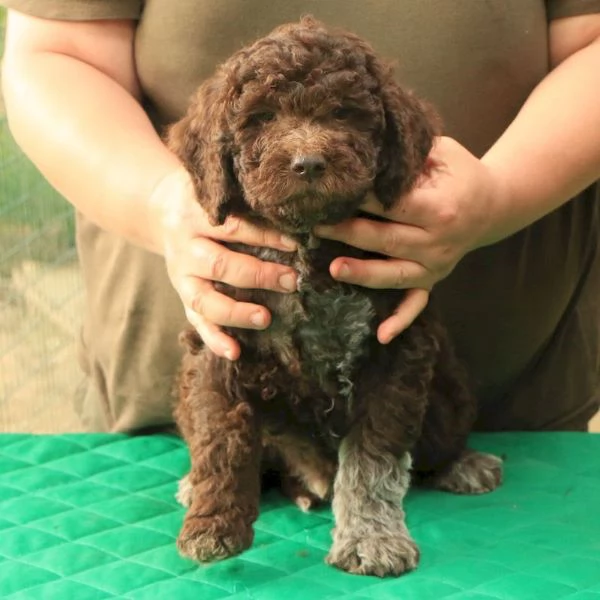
316	390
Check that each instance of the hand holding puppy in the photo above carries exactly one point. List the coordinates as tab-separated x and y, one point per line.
450	211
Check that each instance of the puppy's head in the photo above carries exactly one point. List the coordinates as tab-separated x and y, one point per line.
298	127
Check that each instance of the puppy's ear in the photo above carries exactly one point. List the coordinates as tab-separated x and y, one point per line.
203	142
410	126
191	341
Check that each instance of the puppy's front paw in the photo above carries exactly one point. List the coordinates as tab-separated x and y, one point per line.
207	539
390	553
472	473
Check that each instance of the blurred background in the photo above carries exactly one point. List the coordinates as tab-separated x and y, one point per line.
41	297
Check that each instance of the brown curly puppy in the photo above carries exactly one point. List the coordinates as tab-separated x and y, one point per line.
290	132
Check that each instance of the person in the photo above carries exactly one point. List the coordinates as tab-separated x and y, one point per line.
505	224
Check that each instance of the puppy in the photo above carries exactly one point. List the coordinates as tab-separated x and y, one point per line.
294	131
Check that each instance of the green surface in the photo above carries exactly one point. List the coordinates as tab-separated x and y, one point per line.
94	516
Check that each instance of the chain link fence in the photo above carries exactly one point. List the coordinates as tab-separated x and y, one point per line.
40	296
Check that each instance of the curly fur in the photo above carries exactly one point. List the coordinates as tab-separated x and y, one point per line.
316	394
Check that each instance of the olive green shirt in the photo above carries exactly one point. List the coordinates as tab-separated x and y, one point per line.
524	313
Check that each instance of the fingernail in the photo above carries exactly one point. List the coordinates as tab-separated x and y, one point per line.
288	282
228	353
257	319
288	242
344	271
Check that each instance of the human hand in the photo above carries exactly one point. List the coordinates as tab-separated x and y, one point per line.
194	260
449	212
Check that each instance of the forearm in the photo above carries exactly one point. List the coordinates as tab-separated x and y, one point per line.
91	139
551	151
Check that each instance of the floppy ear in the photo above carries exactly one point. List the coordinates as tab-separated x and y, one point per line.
410	126
203	142
191	341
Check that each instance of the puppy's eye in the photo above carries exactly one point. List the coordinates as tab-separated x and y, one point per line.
342	113
261	117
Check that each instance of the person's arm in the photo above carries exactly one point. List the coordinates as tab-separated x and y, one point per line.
551	151
73	105
549	154
72	101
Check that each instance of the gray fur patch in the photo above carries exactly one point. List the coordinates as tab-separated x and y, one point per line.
371	537
333	339
332	324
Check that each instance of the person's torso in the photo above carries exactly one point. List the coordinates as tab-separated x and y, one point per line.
476	61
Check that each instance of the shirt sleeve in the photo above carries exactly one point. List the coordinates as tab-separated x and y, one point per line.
77	10
557	9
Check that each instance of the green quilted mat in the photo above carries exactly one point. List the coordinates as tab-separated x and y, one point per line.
94	516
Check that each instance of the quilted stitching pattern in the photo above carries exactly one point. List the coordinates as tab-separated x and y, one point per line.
94	516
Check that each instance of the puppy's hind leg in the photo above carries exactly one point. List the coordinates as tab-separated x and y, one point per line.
442	459
184	491
471	473
307	471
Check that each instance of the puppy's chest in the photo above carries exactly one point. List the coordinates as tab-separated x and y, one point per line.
324	329
335	327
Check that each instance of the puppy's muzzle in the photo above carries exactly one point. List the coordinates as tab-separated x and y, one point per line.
308	167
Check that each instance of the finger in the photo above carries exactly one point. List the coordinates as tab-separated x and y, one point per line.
184	213
410	308
220	343
381	274
416	208
389	238
236	229
201	297
217	263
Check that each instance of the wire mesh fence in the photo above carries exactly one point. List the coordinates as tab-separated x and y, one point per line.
40	297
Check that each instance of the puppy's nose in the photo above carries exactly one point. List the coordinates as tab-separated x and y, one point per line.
308	166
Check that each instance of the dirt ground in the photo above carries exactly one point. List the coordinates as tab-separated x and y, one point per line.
38	376
38	366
